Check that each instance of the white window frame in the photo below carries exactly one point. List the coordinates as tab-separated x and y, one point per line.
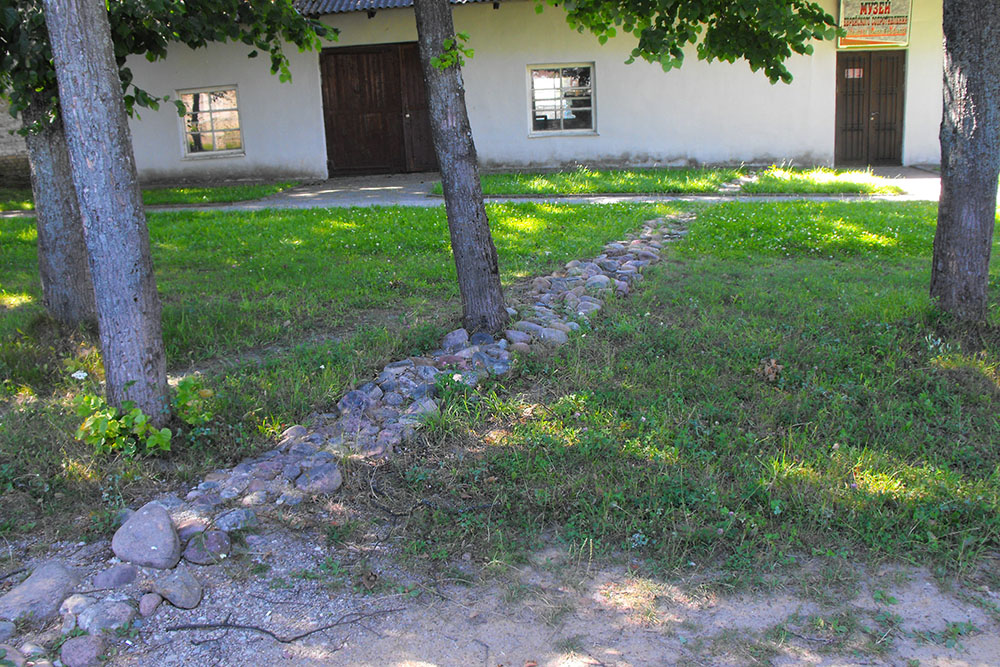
591	131
209	155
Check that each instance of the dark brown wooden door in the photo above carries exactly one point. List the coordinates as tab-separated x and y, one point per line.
375	110
871	88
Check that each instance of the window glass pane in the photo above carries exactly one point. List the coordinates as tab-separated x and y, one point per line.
223	99
576	77
199	122
212	122
578	119
196	143
229	141
543	123
225	120
562	98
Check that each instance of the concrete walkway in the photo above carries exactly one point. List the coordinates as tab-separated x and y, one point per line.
415	190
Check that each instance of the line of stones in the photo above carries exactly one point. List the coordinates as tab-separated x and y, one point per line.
379	415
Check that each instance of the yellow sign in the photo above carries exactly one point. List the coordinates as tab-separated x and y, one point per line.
874	23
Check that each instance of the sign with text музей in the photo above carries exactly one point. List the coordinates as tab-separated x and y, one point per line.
874	23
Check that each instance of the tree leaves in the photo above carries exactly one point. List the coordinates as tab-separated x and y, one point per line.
147	28
765	33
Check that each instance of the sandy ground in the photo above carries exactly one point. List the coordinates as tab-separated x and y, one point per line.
558	610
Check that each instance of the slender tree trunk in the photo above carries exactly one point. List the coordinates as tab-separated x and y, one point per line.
471	242
67	291
970	158
114	224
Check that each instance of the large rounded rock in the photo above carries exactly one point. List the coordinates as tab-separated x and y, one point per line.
208	548
180	589
102	616
82	651
121	574
38	597
325	478
148	539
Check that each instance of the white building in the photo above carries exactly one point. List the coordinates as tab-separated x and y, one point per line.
539	95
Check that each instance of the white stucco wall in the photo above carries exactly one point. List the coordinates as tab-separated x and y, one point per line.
701	113
282	123
14	170
924	85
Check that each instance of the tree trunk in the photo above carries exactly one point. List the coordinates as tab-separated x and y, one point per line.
67	291
114	224
970	158
471	242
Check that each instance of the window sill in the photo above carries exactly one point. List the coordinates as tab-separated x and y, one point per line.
564	133
213	155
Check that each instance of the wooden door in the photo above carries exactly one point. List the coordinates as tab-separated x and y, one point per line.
375	110
870	95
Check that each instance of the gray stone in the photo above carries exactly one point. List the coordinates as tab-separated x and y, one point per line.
515	336
148	539
423	390
481	338
115	576
290	498
355	402
553	336
427	373
75	604
206	501
296	431
586	307
208	548
292	470
325	478
302	449
255	498
528	327
600	281
6	630
82	652
148	604
394	399
188	528
238	519
423	408
455	339
608	264
102	616
267	470
11	654
180	589
169	501
39	596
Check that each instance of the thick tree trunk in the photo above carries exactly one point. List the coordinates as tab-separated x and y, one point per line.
114	224
970	158
67	291
471	242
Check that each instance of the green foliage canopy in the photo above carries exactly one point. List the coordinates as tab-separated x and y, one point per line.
147	27
762	32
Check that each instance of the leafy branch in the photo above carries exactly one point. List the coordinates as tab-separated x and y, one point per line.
454	52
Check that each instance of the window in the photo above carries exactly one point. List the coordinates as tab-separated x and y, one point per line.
211	122
562	98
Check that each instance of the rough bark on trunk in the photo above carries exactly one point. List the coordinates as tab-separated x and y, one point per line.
67	291
114	223
970	158
471	242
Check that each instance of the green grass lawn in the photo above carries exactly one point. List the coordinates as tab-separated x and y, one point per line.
288	309
820	180
20	199
585	181
657	434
